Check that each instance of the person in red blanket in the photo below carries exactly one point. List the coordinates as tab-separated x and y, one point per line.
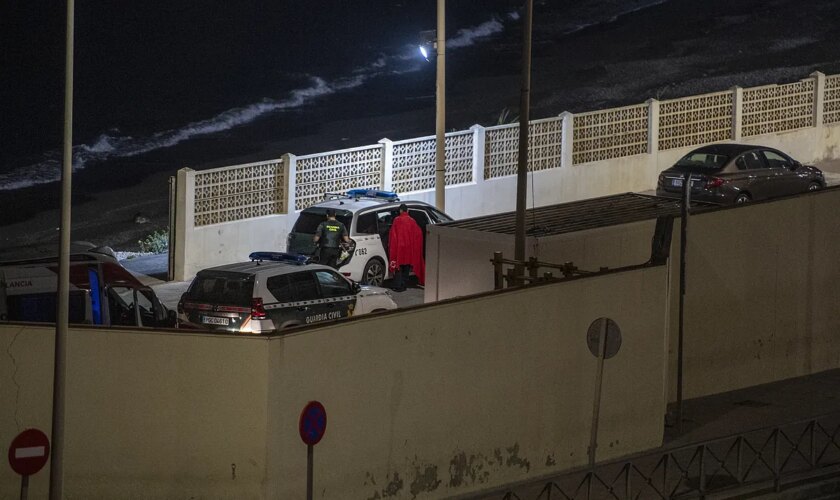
405	250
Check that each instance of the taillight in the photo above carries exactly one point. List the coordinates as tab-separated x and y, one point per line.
257	309
714	182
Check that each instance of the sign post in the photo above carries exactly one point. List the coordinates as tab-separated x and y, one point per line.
28	453
604	340
312	425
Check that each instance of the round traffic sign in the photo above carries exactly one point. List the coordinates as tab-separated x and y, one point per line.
29	451
613	337
313	423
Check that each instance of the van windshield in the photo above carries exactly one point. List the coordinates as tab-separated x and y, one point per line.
222	288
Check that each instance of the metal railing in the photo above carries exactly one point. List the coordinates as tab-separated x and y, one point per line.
753	461
506	278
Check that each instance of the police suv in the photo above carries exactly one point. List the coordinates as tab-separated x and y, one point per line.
368	215
274	291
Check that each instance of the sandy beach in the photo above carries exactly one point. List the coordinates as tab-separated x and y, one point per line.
679	48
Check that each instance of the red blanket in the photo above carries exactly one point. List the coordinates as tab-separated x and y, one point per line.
405	246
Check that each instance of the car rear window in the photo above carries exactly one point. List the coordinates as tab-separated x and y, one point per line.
703	160
310	218
222	289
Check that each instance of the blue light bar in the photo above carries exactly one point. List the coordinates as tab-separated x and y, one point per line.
291	258
373	193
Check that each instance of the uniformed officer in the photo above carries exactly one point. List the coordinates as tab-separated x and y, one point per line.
328	237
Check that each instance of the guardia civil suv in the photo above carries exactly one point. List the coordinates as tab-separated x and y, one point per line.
368	215
274	291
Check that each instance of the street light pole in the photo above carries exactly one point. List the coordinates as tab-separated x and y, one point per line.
440	113
524	118
56	490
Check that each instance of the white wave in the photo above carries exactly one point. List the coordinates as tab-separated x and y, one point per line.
112	145
645	4
467	37
107	147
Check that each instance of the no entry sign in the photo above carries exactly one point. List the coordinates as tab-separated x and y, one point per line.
313	423
29	452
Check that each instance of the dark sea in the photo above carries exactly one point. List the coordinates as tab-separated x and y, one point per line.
161	85
153	77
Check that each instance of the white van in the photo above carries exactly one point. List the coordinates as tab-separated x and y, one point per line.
367	214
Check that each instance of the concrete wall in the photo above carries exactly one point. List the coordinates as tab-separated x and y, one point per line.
763	288
763	285
151	415
425	402
458	261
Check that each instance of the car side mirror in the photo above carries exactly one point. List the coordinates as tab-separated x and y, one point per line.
356	288
795	165
171	318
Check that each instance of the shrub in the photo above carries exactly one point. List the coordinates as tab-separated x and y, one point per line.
156	242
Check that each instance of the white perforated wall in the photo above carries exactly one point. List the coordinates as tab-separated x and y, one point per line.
414	162
831	101
239	192
501	147
695	120
612	133
336	171
776	108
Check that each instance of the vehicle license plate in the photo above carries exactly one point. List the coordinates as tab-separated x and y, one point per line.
212	320
677	182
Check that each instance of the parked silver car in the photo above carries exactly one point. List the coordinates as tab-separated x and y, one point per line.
738	173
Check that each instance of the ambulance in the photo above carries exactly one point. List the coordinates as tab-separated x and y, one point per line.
102	292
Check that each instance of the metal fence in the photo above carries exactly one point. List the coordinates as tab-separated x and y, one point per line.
758	460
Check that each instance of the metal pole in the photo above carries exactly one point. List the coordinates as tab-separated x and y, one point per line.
524	118
309	472
24	487
56	490
596	405
686	198
440	113
170	260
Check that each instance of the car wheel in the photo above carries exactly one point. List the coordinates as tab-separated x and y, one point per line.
814	186
742	198
374	273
